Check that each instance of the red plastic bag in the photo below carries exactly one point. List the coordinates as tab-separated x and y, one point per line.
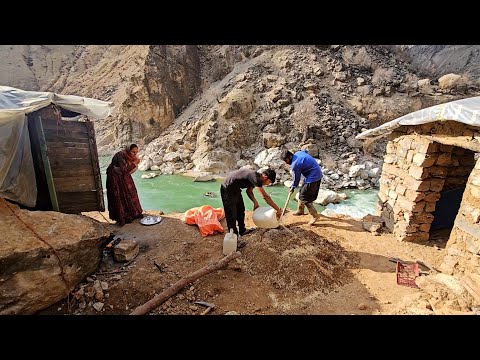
207	218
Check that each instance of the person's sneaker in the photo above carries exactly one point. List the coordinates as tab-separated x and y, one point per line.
246	232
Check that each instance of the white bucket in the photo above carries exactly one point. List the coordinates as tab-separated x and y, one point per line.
265	217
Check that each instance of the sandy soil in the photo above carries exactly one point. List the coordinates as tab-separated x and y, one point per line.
333	267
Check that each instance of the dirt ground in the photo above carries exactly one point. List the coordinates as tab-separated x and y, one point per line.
333	267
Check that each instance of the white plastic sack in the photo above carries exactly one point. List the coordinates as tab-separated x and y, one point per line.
265	217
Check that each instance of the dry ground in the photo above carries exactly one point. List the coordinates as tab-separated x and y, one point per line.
334	267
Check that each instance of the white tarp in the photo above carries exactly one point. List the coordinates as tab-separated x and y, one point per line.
17	174
466	111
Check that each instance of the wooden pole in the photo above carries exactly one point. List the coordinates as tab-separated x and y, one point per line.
95	165
46	164
180	284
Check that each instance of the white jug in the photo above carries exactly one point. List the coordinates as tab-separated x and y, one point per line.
265	217
229	243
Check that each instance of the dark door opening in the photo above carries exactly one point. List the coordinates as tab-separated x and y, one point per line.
458	164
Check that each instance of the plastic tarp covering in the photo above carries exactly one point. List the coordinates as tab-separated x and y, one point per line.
17	174
206	217
466	111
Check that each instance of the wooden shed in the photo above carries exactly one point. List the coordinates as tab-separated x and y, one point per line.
66	163
48	152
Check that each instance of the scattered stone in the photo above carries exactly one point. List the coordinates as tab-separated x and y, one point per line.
125	250
98	306
362	306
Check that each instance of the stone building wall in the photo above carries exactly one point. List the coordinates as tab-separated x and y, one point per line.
420	162
463	246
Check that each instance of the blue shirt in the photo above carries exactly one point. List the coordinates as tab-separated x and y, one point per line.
304	164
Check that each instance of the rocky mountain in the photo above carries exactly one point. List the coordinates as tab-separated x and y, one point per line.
439	60
216	108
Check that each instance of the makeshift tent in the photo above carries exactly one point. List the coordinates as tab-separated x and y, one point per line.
466	111
31	121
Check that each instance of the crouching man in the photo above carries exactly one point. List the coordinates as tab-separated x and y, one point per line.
233	201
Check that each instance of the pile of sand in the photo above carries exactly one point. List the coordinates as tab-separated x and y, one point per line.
297	260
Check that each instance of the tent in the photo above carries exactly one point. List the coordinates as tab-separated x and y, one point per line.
29	142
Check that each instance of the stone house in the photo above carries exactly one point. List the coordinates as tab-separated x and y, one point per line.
430	179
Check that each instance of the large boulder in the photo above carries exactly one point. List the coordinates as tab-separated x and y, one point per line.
237	103
30	272
272	140
449	81
216	161
269	158
326	197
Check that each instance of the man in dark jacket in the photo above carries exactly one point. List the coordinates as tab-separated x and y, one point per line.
232	196
303	164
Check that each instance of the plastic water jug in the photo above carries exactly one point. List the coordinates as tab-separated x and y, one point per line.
265	217
229	243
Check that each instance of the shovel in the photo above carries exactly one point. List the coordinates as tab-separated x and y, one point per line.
286	204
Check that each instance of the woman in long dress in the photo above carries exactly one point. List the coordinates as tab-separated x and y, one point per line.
123	202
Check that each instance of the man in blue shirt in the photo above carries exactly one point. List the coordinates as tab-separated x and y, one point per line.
303	164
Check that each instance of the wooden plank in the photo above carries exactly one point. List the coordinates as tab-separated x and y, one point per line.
63	126
69	152
76	202
66	164
96	165
72	137
82	170
62	145
43	198
46	164
472	286
75	184
76	136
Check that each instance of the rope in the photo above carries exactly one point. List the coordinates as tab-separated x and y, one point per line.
59	119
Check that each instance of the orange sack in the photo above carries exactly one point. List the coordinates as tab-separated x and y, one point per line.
206	217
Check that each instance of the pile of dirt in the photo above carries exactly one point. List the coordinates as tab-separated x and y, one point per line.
297	261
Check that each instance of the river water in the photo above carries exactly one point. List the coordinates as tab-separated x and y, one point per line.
177	193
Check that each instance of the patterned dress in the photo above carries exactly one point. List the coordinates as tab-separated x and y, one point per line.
123	202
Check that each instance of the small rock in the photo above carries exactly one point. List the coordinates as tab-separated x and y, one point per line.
231	313
362	306
59	309
98	306
104	285
193	307
111	306
89	279
125	250
82	305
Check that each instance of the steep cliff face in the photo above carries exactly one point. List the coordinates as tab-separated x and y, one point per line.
149	85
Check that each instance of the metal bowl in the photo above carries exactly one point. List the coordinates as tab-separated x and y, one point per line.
150	220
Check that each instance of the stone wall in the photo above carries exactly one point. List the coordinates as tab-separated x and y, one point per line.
463	247
420	162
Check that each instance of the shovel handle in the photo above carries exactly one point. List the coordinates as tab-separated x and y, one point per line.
286	204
